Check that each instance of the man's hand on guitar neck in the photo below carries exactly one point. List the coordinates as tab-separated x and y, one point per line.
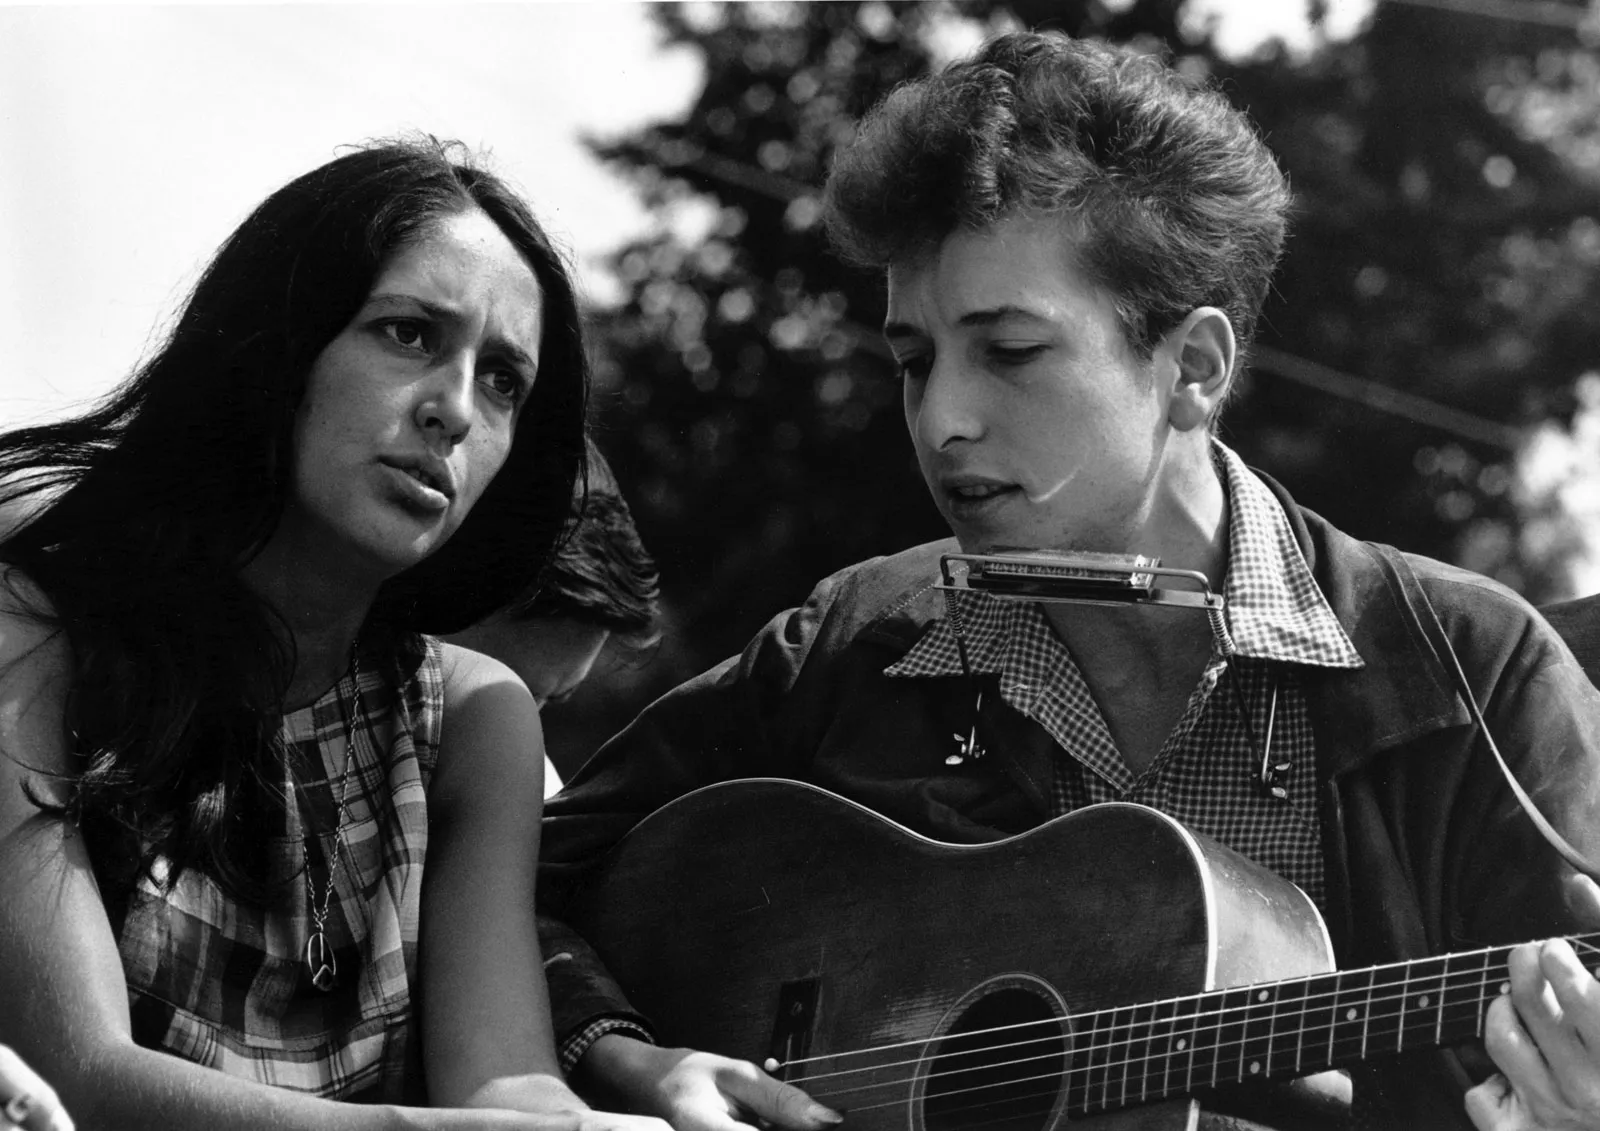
695	1091
1545	1038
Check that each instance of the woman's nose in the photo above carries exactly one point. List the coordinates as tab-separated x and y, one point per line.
445	411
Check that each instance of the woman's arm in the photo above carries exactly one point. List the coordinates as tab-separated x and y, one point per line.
485	1012
65	1000
486	1035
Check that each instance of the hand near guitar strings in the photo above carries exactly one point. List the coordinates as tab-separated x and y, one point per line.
698	1091
1544	1036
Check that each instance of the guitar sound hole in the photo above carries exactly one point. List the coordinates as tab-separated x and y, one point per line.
999	1067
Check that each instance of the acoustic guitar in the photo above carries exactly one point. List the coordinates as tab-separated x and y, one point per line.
1106	966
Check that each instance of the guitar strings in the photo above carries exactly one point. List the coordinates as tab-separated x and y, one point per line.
1220	1051
1185	1025
1586	943
1178	1027
1077	1079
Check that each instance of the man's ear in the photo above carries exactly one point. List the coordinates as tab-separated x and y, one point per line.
1204	351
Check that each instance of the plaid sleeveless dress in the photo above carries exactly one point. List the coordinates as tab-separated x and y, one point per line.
225	984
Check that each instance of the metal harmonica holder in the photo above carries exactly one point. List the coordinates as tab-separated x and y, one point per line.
1080	578
1097	579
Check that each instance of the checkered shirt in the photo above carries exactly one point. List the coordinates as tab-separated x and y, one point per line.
1207	773
224	984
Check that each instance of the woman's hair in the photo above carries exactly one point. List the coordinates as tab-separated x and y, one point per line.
145	508
1176	201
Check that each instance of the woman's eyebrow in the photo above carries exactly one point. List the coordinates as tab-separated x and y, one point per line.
452	316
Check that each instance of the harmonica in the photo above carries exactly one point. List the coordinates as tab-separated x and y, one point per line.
1094	578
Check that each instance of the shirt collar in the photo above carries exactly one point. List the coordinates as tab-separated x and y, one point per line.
1273	606
1274	609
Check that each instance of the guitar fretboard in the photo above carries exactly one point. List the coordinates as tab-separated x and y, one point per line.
1136	1053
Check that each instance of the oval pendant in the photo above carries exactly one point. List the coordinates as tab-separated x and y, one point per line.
324	968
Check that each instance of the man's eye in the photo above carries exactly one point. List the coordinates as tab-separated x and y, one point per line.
1014	355
914	368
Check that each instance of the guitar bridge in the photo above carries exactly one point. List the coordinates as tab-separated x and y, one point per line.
792	1028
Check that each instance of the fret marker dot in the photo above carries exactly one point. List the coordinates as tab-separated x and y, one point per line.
1255	1067
1423	1001
1351	1014
1505	987
1182	1044
1263	996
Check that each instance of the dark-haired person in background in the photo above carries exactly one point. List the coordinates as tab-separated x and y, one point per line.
601	588
266	849
1077	243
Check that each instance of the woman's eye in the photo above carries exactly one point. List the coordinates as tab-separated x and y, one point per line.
507	384
407	332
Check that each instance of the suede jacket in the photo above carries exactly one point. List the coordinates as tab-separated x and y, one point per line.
1427	850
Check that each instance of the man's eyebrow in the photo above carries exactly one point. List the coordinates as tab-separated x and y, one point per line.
991	315
985	317
444	312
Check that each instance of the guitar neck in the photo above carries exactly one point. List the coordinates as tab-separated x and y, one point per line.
1136	1053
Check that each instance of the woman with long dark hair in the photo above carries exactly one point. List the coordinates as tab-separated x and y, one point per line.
265	842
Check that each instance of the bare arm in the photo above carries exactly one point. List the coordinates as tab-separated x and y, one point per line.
485	1012
486	1034
61	978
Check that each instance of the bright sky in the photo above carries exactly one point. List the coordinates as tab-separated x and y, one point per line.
133	138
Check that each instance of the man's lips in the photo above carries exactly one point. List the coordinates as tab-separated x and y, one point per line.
969	489
976	492
973	500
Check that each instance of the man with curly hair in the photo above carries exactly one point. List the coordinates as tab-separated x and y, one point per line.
1077	243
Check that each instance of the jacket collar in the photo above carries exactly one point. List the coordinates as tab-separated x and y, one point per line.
1404	690
917	607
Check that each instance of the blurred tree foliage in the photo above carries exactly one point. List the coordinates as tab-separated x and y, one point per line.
1445	246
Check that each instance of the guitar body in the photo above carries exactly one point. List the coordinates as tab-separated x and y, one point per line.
768	919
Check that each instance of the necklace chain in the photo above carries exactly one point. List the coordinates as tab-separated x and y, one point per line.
320	962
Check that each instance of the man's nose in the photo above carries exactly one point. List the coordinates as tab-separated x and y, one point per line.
948	408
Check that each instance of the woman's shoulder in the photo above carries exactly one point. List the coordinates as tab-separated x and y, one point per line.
35	676
30	631
463	671
491	747
21	594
